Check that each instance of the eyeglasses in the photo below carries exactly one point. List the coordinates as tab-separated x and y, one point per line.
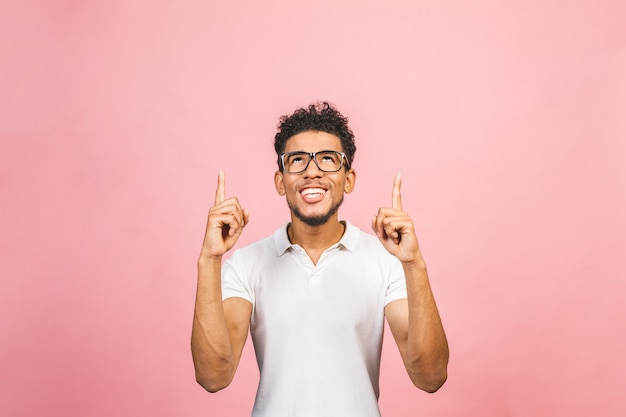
326	161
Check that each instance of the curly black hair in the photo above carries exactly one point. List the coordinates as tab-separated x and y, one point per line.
318	117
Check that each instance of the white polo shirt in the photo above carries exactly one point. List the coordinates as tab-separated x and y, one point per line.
317	329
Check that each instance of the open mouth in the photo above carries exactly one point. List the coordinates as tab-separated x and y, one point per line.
313	194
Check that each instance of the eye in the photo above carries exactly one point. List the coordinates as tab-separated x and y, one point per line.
329	157
296	159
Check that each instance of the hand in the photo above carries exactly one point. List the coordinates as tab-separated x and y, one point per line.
225	224
395	228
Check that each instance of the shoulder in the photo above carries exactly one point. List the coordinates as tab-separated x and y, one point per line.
363	243
267	247
261	246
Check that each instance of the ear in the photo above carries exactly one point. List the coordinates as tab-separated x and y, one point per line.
348	186
279	183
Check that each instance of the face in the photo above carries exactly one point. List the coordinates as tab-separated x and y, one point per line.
314	196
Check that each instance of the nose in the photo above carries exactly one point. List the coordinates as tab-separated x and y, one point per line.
312	171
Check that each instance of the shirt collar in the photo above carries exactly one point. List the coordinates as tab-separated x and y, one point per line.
349	240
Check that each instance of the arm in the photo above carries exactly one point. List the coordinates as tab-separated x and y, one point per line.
418	332
414	321
220	328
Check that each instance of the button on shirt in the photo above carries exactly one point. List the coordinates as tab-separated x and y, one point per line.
317	328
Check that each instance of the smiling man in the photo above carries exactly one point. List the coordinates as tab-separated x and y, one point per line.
315	294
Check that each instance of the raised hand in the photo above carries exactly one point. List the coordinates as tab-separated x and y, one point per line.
226	222
395	229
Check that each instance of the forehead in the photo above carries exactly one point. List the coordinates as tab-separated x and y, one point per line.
313	141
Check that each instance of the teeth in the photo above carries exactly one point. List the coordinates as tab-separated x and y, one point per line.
312	191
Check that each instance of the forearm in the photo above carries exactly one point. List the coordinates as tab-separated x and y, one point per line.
426	356
210	340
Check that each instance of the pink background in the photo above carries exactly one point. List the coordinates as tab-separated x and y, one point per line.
507	121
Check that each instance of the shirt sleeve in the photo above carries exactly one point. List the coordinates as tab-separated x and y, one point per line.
235	282
396	288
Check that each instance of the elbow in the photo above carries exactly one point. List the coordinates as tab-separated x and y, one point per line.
212	385
213	380
431	383
428	378
429	372
214	376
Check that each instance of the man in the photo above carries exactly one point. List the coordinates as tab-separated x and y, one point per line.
315	294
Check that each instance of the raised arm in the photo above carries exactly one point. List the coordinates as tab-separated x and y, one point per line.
220	328
414	321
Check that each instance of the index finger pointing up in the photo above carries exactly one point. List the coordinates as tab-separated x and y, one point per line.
221	188
396	199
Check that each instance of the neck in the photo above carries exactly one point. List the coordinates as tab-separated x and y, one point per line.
315	237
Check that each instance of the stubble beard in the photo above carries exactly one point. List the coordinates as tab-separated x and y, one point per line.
315	220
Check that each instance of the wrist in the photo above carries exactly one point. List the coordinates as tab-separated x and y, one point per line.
417	262
207	259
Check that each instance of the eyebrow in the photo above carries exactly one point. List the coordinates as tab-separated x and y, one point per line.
323	150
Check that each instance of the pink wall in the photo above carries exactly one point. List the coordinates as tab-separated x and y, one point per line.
507	122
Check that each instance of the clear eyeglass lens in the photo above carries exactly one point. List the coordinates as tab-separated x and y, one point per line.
328	161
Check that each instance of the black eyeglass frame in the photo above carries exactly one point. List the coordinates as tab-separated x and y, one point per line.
311	155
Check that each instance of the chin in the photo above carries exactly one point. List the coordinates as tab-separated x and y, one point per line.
315	219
